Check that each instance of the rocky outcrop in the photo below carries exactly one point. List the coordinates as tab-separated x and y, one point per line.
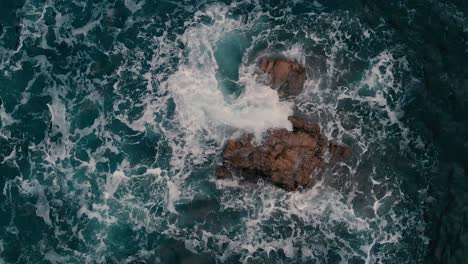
286	77
285	158
288	159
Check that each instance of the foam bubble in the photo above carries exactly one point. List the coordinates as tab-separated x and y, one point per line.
155	171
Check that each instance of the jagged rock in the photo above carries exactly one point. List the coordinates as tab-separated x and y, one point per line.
286	77
288	159
308	127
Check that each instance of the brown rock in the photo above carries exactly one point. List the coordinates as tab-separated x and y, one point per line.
299	124
286	77
288	159
223	173
339	150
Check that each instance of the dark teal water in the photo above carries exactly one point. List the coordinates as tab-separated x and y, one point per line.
113	116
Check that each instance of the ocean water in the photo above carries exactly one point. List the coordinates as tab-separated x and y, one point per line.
113	115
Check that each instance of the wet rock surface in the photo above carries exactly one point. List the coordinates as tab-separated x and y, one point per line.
286	77
285	158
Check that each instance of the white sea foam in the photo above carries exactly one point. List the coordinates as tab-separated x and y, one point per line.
295	53
172	196
201	108
5	118
134	6
156	171
112	183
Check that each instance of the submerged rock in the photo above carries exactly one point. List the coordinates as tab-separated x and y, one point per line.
339	150
286	77
287	159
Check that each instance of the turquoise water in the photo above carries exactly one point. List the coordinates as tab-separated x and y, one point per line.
113	117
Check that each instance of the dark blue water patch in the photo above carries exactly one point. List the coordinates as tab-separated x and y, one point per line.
34	123
118	16
174	251
104	64
10	23
19	79
86	116
117	240
200	209
22	229
437	41
141	149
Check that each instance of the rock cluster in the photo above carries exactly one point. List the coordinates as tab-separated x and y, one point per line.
285	158
288	159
